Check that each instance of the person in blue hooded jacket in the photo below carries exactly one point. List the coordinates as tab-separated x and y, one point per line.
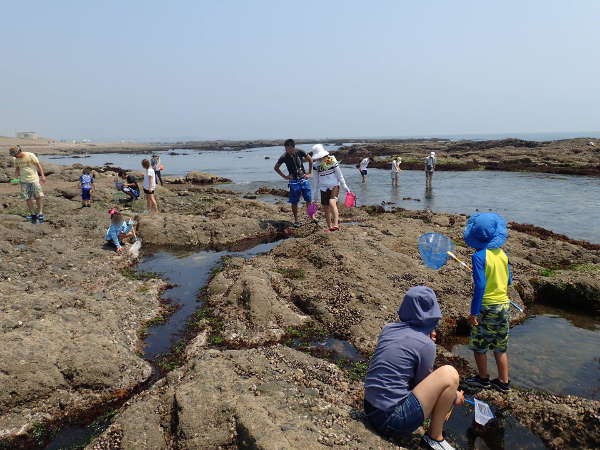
490	306
401	387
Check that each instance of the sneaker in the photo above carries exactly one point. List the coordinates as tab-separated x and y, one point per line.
432	444
34	218
478	382
296	224
500	386
40	218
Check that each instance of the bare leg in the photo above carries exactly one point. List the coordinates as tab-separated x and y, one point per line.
30	205
327	213
154	204
502	363
40	205
335	216
481	361
437	394
295	211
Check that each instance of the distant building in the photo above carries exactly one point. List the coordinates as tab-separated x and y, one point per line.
27	135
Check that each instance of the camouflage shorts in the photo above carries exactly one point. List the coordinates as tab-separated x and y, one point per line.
31	190
492	331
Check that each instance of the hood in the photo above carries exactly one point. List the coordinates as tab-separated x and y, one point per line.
420	309
486	230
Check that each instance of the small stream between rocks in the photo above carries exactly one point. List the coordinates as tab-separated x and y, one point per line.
535	344
187	274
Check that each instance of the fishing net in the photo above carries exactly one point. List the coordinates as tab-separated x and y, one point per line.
434	248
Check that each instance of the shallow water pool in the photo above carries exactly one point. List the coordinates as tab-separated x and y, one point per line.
552	350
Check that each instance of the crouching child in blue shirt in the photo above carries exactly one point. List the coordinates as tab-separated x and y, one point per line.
118	231
490	306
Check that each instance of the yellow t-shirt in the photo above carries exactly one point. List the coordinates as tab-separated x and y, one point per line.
27	165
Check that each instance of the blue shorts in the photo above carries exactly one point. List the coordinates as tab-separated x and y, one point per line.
86	194
405	418
297	188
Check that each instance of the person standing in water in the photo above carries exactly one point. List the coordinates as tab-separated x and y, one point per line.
396	170
327	181
362	167
429	168
297	177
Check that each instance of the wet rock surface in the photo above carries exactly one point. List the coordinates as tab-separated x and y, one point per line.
72	312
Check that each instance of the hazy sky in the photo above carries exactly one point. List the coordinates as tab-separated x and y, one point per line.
250	69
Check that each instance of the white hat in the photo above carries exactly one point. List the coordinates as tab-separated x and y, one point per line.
319	152
432	154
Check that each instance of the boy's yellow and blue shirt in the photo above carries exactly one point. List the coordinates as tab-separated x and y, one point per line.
491	277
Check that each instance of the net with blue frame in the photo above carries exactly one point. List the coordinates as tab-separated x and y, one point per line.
434	248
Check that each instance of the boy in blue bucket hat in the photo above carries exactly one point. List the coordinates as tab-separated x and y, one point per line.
490	306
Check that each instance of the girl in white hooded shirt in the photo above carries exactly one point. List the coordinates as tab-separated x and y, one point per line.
327	179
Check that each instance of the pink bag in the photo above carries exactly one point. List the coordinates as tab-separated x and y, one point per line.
350	201
312	210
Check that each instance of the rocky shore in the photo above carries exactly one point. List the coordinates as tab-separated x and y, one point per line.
568	157
73	315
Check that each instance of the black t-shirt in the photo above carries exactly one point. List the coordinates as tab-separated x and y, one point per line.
294	163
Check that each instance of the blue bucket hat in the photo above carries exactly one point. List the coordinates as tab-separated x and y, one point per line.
486	230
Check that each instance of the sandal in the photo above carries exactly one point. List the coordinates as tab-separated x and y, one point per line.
334	229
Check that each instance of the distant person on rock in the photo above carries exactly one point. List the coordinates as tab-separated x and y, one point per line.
86	182
429	168
490	306
119	230
149	187
363	166
297	177
327	181
157	167
401	387
30	173
396	170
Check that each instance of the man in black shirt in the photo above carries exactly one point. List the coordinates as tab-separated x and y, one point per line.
297	176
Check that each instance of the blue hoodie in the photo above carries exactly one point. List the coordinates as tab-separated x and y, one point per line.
405	353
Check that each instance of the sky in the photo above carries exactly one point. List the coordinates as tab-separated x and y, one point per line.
225	69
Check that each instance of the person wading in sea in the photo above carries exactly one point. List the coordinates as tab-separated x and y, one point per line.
297	177
429	168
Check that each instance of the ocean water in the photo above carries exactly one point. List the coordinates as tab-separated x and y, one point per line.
566	204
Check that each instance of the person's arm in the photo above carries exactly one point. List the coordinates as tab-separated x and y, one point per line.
310	165
425	359
479	281
278	170
341	179
316	180
40	169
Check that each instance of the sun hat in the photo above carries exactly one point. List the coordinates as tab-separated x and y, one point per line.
486	230
319	152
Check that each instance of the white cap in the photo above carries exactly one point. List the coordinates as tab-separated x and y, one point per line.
319	152
432	154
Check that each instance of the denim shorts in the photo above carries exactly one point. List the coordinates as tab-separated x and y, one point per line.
405	418
297	188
